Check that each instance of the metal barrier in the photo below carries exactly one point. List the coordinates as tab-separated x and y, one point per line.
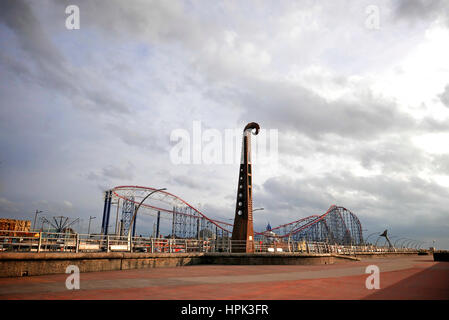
19	241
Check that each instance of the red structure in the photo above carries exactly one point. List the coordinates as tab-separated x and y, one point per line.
243	222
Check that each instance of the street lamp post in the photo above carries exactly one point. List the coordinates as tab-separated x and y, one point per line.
135	214
88	229
35	216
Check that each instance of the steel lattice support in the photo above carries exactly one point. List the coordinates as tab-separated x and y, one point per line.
337	226
127	213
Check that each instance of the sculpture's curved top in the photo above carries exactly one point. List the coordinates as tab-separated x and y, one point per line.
251	126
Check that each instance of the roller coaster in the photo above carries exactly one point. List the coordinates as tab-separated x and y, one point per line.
337	225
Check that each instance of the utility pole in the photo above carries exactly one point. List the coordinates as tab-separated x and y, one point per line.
35	216
88	229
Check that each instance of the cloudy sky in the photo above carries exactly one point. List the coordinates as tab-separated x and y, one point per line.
360	102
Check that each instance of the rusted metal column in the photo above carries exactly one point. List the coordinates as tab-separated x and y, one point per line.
243	221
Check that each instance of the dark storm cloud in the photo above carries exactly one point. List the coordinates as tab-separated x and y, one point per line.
18	16
147	138
445	96
395	155
149	21
187	181
414	10
380	196
122	173
292	194
294	108
46	65
111	175
389	153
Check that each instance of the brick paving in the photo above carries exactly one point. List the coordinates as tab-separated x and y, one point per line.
411	277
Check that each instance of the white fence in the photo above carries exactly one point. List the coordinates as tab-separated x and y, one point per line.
17	241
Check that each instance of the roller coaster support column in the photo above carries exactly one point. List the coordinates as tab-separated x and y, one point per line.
157	223
198	229
106	212
173	223
132	222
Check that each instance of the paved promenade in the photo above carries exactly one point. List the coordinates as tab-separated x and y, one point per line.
410	277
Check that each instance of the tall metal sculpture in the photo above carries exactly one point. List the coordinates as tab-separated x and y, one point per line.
385	234
243	221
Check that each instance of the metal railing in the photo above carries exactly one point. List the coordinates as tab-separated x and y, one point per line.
18	241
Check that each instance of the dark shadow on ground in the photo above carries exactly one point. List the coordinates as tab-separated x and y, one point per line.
428	260
430	284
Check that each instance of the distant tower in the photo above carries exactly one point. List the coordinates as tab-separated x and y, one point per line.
268	227
243	221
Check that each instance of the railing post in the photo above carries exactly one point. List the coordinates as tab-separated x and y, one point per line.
107	243
152	245
307	247
169	245
229	246
77	243
40	242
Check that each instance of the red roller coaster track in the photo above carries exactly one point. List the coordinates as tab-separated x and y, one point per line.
333	223
166	197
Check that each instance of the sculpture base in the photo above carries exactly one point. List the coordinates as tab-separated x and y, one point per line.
242	246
